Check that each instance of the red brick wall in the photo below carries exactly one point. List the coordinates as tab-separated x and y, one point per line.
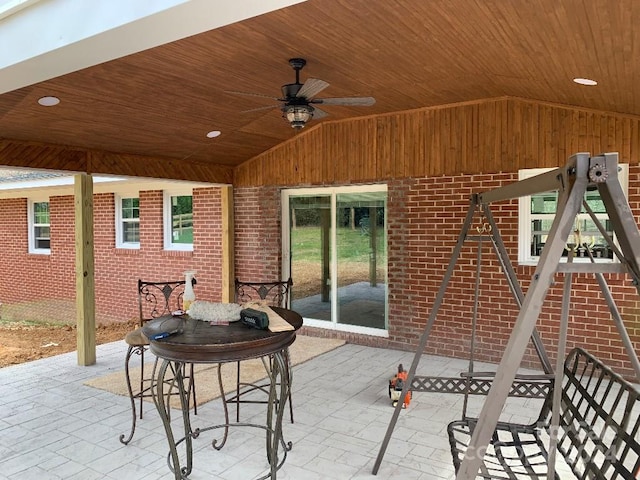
62	277
25	275
425	216
207	215
33	277
258	246
420	249
13	252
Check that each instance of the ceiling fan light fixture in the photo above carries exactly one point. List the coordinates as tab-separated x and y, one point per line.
297	115
297	98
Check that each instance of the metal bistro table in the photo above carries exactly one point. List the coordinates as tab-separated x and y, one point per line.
200	342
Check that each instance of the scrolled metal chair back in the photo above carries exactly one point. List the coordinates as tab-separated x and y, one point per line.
156	299
276	293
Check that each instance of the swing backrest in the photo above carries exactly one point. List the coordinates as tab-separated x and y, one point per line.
599	430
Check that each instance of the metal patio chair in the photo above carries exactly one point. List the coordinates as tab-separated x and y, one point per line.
276	294
155	299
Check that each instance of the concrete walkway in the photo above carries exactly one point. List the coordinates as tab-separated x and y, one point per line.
52	426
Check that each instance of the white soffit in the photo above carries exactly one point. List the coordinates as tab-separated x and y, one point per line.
9	7
43	39
64	185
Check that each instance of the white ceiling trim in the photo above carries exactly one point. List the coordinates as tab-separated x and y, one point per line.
56	37
64	185
9	7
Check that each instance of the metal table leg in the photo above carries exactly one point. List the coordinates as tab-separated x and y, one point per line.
277	401
215	443
162	401
280	378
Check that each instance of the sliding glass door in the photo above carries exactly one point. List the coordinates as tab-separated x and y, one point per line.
361	256
335	247
309	231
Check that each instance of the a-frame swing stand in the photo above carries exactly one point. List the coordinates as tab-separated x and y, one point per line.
582	172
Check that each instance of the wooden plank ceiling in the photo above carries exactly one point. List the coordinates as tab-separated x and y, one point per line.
406	53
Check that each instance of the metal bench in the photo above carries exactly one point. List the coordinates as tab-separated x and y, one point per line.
597	437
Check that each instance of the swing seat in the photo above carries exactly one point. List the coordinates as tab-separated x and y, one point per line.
598	436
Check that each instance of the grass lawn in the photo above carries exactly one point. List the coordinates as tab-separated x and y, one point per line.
353	246
353	249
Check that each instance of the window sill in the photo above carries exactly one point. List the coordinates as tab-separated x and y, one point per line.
178	248
128	246
177	253
42	255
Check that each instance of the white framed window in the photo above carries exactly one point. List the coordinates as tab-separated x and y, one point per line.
178	219
536	214
127	221
39	224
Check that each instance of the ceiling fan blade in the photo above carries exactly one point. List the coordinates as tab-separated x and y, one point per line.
348	101
317	113
311	88
269	107
251	94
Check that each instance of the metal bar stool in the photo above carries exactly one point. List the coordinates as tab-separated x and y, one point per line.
155	299
274	294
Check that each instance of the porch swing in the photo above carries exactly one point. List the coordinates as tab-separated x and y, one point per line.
591	415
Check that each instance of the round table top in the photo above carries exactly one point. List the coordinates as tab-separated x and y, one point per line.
198	341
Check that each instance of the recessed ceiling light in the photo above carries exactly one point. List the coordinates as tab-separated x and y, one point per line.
585	81
48	101
214	133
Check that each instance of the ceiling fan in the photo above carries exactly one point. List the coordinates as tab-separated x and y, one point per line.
298	99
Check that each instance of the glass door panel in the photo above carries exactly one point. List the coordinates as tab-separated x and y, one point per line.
361	253
310	240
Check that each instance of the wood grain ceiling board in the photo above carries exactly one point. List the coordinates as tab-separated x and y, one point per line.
407	54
